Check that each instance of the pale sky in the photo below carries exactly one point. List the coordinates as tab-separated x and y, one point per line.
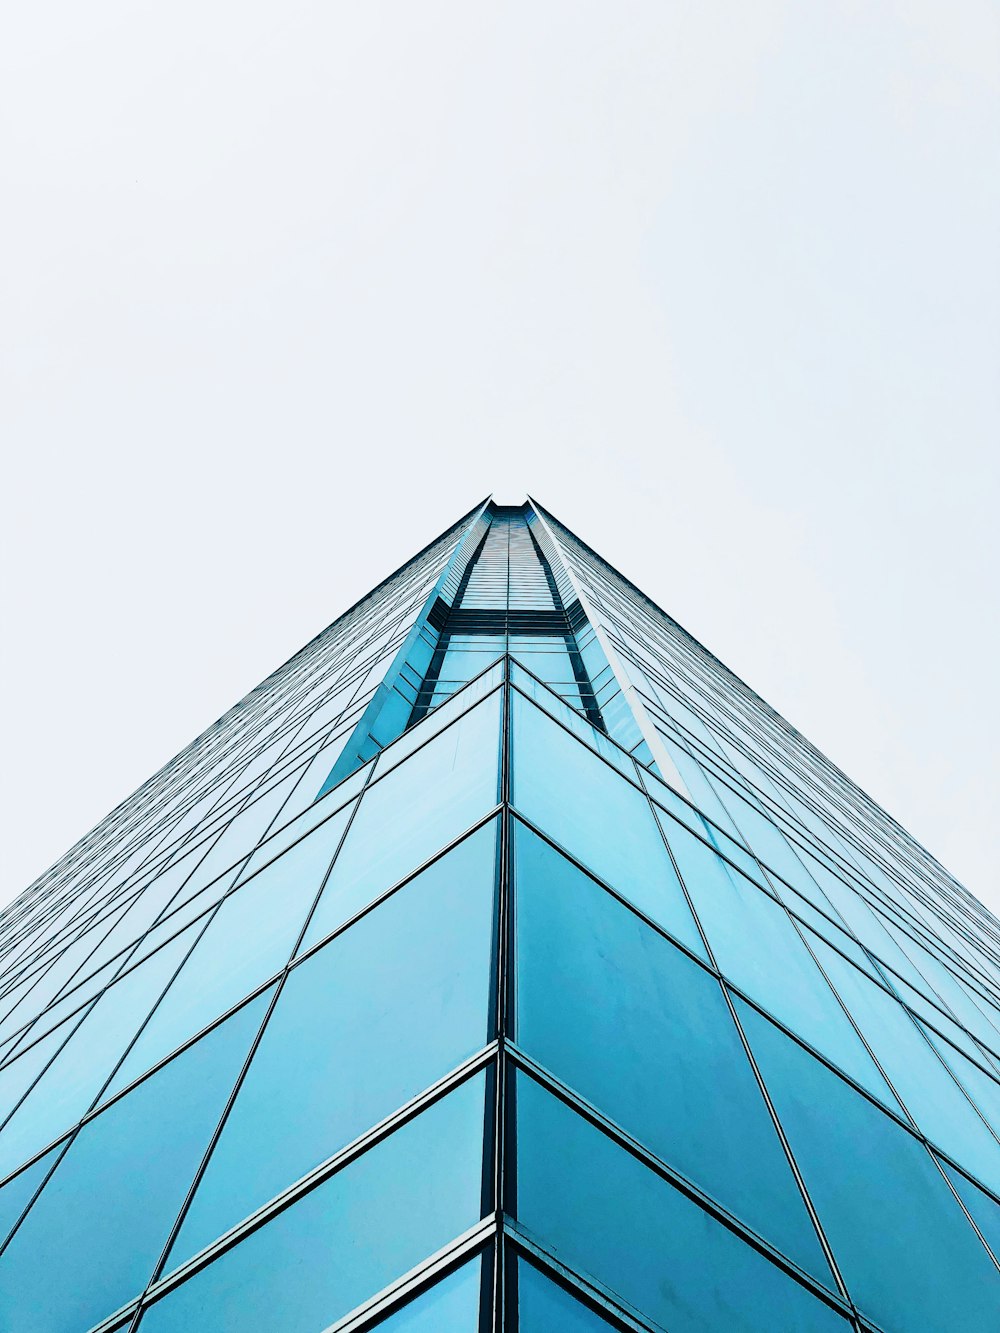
284	289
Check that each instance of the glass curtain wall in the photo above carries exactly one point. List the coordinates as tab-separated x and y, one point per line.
529	1006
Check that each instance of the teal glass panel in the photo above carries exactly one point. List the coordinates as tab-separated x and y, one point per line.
373	1018
748	931
450	1306
645	1035
935	1101
69	1085
909	1257
410	814
317	813
337	1246
20	1189
579	726
442	716
982	1087
983	1208
249	939
584	1198
602	820
699	787
543	1306
20	1072
90	1241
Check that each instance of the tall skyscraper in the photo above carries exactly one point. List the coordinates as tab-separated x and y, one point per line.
501	962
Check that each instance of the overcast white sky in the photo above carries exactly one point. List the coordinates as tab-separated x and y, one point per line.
288	287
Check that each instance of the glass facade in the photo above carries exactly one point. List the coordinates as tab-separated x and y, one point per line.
501	962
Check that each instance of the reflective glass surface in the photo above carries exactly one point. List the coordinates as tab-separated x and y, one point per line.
644	1034
450	1306
368	1022
347	1239
605	822
413	812
249	938
586	1199
909	1257
91	1239
543	1306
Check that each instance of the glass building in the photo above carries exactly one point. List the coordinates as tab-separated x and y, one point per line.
501	962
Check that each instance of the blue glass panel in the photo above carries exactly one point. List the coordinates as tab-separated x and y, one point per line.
933	1098
909	1257
68	1087
570	719
19	1190
368	1022
249	939
17	1076
450	1306
410	814
306	820
543	1306
586	1199
336	1247
643	1033
748	931
981	1086
983	1208
601	819
699	786
442	716
90	1241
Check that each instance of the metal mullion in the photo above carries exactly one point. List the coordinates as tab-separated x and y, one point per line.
419	1279
504	1148
612	1307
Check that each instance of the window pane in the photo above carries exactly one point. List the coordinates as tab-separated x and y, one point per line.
983	1208
249	939
346	1240
930	1094
605	1214
748	931
450	1306
543	1306
68	1087
642	1032
909	1257
18	1191
90	1241
413	812
368	1022
601	819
